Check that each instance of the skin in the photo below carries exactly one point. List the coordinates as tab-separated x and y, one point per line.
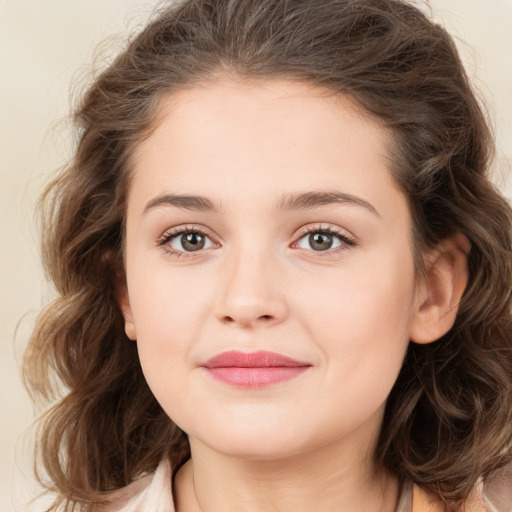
258	284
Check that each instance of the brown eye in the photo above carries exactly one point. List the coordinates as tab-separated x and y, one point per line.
192	241
189	241
320	241
323	240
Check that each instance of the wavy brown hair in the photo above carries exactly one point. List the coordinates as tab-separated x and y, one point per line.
449	416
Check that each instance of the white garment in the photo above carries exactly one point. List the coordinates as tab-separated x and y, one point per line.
153	493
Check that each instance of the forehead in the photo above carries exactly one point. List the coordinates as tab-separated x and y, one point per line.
244	136
310	112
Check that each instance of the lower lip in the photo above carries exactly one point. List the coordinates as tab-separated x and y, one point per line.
256	377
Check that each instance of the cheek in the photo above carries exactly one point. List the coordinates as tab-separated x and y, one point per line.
161	295
360	324
361	316
168	309
168	312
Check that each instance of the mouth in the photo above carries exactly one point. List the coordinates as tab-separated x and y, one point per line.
253	369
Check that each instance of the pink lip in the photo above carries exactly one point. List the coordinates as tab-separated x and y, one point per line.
253	369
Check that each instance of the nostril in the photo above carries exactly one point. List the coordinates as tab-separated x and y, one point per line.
246	322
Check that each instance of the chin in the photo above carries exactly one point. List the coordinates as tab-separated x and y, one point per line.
257	450
255	441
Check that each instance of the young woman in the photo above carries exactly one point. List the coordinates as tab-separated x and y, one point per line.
284	277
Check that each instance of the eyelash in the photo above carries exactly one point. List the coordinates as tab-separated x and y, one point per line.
346	241
168	236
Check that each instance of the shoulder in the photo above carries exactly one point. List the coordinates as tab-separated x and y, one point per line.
151	492
497	491
492	495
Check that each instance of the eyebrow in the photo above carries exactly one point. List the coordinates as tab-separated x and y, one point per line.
297	201
186	202
309	200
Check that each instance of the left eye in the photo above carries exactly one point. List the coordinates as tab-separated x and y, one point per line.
190	241
320	241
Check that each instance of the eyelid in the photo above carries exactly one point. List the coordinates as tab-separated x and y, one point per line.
348	240
174	232
326	227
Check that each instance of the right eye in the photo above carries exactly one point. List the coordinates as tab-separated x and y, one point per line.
182	241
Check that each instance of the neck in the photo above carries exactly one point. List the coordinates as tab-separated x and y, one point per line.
324	480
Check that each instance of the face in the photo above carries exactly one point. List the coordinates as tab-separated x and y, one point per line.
270	278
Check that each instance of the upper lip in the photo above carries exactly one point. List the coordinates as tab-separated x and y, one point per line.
259	359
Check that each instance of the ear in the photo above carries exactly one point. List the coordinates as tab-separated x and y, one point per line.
123	301
439	293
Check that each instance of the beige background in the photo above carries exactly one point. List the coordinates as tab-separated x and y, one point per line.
45	45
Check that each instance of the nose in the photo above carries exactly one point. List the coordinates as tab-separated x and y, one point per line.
251	294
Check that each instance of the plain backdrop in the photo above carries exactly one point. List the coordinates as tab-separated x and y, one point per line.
47	50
